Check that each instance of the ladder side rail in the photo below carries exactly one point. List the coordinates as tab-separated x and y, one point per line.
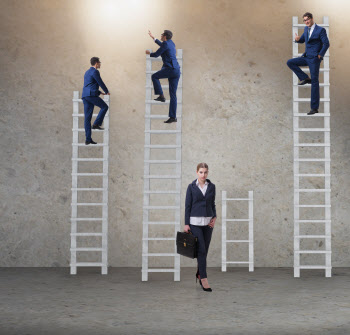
75	148
178	180
223	235
104	268
328	247
296	157
146	181
179	95
251	231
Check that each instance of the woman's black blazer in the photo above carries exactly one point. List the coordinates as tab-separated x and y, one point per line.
198	205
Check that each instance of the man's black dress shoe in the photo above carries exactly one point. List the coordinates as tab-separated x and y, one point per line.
313	111
94	126
90	142
160	98
305	81
171	119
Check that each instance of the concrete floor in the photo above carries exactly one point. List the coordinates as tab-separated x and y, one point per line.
270	301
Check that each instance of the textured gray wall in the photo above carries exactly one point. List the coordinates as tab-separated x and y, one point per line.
237	117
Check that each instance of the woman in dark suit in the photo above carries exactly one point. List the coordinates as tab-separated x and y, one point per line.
200	217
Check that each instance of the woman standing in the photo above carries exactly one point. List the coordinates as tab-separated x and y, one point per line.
200	217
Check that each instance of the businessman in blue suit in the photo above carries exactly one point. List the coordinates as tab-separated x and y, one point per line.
90	96
170	70
316	45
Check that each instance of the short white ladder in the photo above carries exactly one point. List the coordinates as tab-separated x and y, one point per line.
78	219
149	162
324	175
250	239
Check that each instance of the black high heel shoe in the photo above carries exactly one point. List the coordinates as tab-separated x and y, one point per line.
205	289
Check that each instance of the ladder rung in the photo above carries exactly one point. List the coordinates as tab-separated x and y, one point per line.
161	222
164	87
236	199
86	234
236	220
88	189
302	25
87	219
82	115
312	145
159	239
307	221
162	131
160	116
322	69
309	99
160	270
159	59
312	175
312	236
87	264
312	190
238	262
237	241
313	115
154	71
162	146
161	207
167	102
89	174
86	249
313	206
162	192
90	145
89	204
89	159
93	130
319	267
312	160
312	252
159	161
161	177
326	55
160	254
309	85
313	129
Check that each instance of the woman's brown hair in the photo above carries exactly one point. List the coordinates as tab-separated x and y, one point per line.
202	165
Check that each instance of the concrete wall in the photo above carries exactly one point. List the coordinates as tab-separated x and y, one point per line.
237	117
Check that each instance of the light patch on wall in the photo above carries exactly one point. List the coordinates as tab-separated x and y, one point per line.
121	13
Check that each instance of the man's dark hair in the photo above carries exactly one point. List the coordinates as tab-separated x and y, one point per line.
94	60
308	15
168	34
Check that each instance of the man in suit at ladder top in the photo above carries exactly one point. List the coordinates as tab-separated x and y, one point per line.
170	70
90	96
316	45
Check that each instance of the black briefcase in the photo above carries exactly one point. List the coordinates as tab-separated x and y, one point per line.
186	244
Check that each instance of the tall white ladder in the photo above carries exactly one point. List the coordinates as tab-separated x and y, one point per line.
299	177
250	240
150	162
78	220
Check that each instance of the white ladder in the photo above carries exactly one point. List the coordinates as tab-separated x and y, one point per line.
77	187
250	239
326	174
148	162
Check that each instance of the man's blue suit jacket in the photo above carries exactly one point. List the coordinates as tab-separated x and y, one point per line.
168	52
92	82
318	43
